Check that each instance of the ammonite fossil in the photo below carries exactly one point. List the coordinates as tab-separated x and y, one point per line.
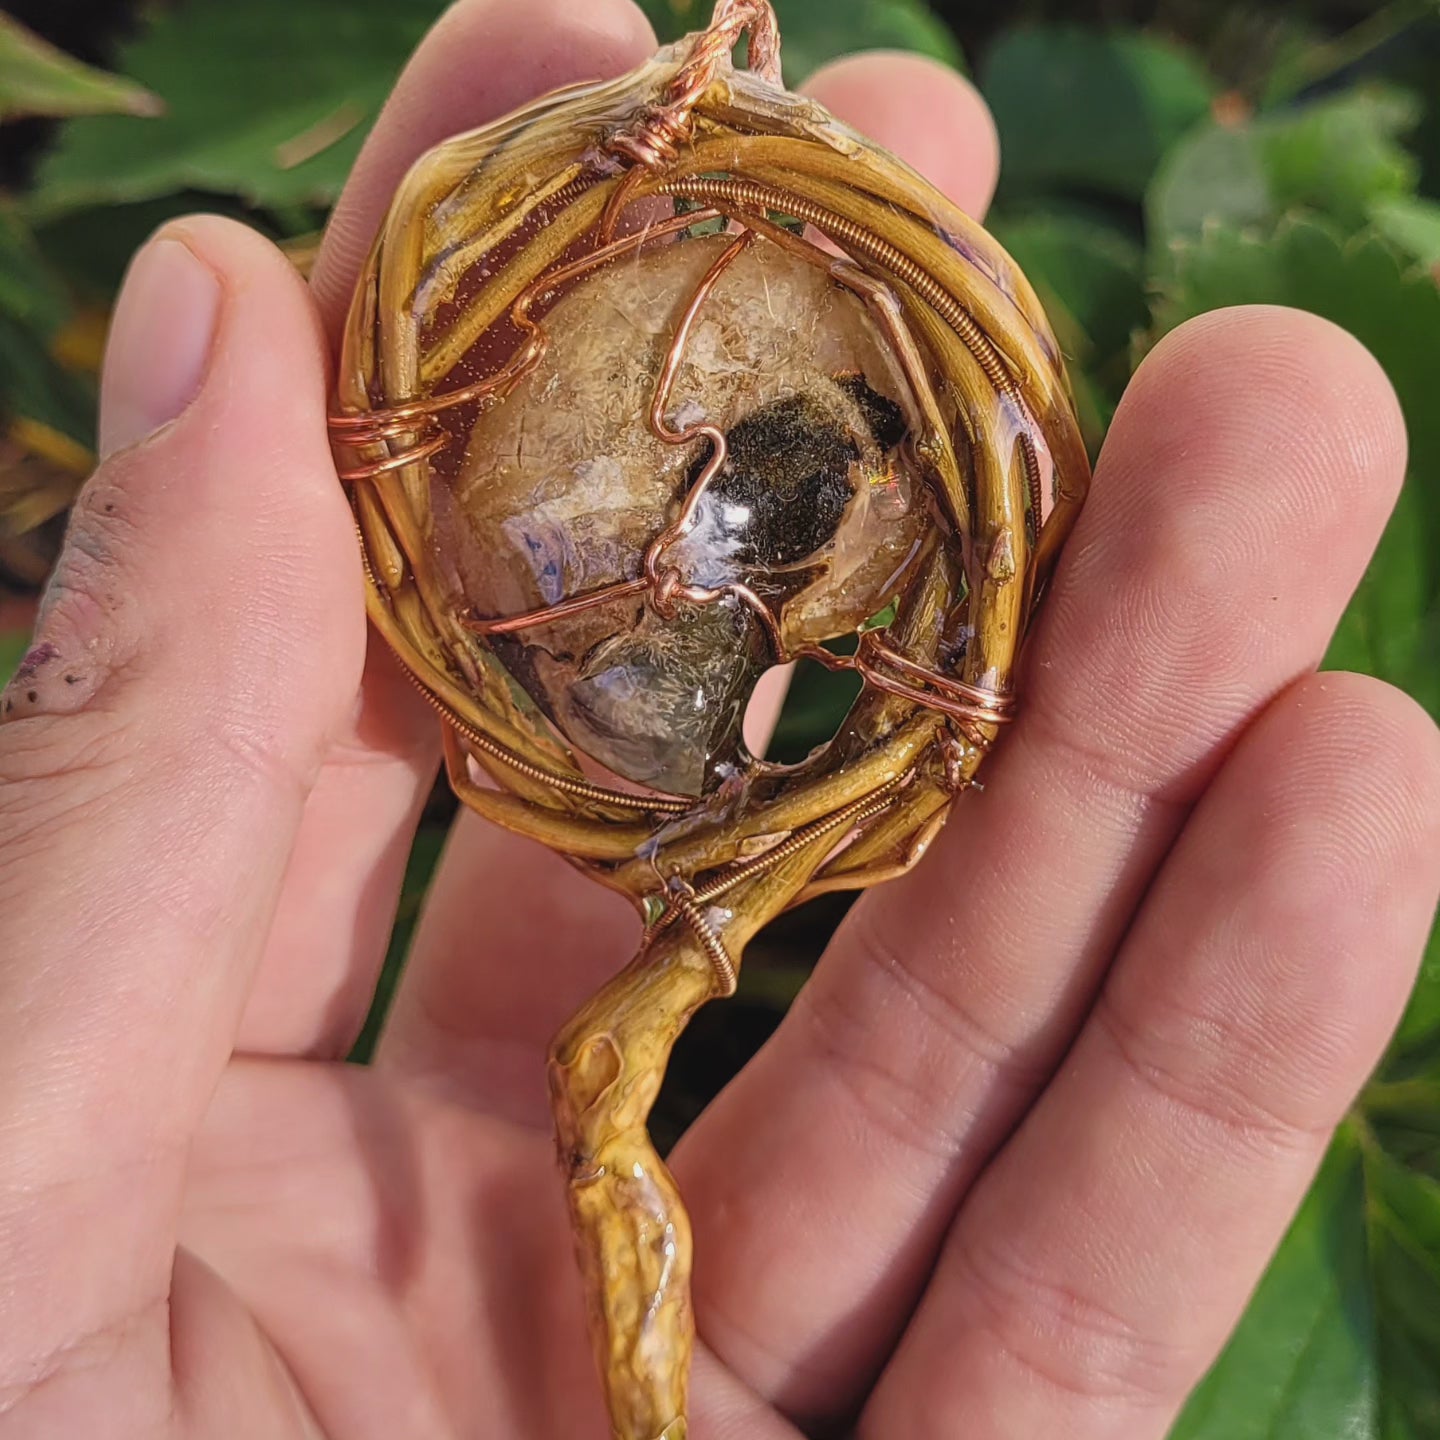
647	388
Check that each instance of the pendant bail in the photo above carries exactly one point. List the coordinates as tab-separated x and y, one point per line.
654	137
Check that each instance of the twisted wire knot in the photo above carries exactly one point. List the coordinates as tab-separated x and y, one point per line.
654	137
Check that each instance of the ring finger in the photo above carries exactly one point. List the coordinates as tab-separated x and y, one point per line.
1244	483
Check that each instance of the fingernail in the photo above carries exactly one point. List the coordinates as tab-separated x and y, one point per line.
159	345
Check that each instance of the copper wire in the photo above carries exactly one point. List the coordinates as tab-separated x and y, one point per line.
580	789
651	142
726	973
855	813
408	420
955	763
979	702
657	803
397	461
945	695
730	20
669	584
623	194
683	900
665	584
561	610
970	704
655	135
754	195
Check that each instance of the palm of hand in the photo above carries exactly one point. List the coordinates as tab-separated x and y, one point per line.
407	1257
989	1177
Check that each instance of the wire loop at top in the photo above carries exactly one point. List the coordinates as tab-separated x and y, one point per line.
655	136
731	20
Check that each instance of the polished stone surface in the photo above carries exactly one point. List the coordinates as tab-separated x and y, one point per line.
563	485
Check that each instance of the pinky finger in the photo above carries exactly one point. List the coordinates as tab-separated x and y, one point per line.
1105	1255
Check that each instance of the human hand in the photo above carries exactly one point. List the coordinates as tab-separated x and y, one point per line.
1016	1157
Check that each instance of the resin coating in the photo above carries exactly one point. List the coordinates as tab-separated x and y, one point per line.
564	484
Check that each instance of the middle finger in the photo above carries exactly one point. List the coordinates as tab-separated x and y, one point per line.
1245	481
483	58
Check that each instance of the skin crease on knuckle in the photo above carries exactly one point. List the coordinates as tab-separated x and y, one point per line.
1250	1014
923	1096
1196	570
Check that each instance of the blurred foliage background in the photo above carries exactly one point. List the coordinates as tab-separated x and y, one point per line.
1160	159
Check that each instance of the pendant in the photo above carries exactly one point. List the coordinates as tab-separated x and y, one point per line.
647	388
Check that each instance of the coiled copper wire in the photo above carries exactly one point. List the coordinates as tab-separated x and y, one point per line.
405	424
967	703
651	141
653	803
754	195
683	900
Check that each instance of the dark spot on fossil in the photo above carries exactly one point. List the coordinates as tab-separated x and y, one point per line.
884	417
72	679
109	507
785	484
9	706
32	696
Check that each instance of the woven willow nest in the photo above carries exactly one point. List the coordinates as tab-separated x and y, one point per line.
647	388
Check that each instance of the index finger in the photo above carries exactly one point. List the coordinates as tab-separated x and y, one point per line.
483	58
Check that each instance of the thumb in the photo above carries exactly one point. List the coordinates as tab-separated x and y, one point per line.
201	639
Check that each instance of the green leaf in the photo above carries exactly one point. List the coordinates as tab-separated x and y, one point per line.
816	31
1362	286
1403	1211
419	869
13	644
31	293
1084	111
35	385
1303	1362
268	100
34	305
38	79
1343	1334
1088	272
1410	224
1392	628
1316	57
1389	628
815	704
1416	1049
1338	157
92	251
1214	176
